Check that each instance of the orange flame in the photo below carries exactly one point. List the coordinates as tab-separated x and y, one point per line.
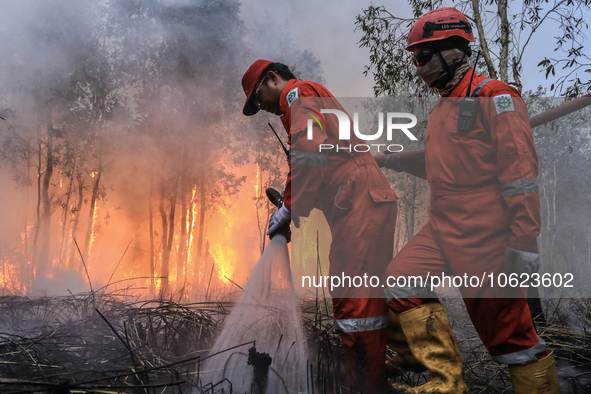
92	231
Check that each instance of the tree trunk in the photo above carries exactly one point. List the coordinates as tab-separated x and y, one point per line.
73	250
412	208
169	238
164	219
397	235
552	267
64	241
182	255
200	259
38	218
258	198
44	253
492	72
516	76
190	268
90	225
504	56
23	271
151	218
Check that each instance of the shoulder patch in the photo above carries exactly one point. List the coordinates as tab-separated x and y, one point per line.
292	96
503	103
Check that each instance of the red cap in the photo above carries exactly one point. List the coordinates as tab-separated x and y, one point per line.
438	25
249	80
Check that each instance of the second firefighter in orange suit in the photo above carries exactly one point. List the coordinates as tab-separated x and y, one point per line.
484	217
355	198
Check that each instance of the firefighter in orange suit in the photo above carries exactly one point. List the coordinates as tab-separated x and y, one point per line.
355	198
484	216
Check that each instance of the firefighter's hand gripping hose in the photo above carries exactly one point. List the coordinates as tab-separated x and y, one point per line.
520	262
279	219
279	223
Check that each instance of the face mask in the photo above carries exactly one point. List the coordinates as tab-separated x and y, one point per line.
435	73
432	71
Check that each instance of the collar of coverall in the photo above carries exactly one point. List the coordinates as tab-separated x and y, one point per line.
283	106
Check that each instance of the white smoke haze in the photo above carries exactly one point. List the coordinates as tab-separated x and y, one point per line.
124	132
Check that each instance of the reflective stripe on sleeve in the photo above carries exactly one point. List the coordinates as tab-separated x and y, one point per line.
522	357
308	158
478	88
361	324
519	186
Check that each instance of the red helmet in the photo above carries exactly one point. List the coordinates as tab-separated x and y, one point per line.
249	79
438	25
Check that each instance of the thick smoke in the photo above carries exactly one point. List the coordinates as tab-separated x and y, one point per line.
125	157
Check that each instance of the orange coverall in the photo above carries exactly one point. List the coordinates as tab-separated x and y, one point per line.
360	208
483	199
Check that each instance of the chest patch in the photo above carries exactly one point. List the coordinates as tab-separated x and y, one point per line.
292	96
503	103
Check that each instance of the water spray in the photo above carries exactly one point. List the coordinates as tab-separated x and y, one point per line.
266	313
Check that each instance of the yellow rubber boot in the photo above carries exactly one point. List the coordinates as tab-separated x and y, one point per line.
540	377
404	361
433	343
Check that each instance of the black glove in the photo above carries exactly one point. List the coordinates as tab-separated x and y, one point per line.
520	262
395	162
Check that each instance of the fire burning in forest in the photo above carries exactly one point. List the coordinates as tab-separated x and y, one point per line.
209	248
123	163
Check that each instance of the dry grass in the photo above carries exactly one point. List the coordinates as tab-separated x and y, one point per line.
114	344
